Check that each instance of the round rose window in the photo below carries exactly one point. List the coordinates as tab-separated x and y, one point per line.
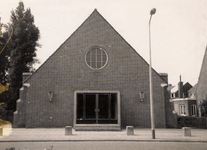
96	58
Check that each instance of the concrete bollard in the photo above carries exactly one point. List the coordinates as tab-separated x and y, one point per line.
68	130
130	130
1	131
186	131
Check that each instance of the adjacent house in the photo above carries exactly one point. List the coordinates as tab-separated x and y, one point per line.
94	81
180	90
192	91
183	104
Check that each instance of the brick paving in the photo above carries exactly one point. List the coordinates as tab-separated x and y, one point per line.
58	134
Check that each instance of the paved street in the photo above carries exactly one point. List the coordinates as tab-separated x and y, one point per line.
42	138
58	134
104	145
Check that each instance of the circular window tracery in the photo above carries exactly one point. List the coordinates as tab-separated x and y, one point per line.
96	58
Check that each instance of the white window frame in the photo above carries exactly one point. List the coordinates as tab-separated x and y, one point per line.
172	95
193	109
90	62
182	110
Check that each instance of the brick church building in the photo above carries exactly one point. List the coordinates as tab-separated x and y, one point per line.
94	81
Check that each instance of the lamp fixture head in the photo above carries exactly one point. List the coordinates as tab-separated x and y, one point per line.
153	11
141	95
50	95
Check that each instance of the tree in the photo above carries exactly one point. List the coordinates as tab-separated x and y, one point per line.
4	63
204	108
22	44
4	54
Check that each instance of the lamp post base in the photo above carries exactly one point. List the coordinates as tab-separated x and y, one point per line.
153	134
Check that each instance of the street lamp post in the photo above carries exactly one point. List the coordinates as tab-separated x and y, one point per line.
152	12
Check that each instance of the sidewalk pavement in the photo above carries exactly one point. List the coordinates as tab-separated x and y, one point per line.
140	135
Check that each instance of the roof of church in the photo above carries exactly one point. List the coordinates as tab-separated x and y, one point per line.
99	16
201	90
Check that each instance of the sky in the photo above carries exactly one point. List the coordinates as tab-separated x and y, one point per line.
178	29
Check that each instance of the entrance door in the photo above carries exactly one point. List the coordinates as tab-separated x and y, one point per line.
90	106
96	108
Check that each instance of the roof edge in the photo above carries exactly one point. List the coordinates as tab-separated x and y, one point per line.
95	10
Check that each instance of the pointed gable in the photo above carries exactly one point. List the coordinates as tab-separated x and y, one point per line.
201	91
193	89
96	31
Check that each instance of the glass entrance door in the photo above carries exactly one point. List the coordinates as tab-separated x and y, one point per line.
96	108
90	106
103	105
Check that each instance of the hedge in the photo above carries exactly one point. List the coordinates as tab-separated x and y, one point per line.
195	122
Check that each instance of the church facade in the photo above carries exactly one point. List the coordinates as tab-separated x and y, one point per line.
94	81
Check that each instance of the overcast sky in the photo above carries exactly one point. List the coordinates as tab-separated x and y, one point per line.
178	29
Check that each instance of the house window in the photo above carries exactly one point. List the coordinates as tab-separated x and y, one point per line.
182	110
193	110
172	95
96	58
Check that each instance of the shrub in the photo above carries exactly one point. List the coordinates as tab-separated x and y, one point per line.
12	148
21	125
195	122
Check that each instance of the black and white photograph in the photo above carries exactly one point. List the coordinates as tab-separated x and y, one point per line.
103	74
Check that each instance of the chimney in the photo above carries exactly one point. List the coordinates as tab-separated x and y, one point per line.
164	76
180	88
25	76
